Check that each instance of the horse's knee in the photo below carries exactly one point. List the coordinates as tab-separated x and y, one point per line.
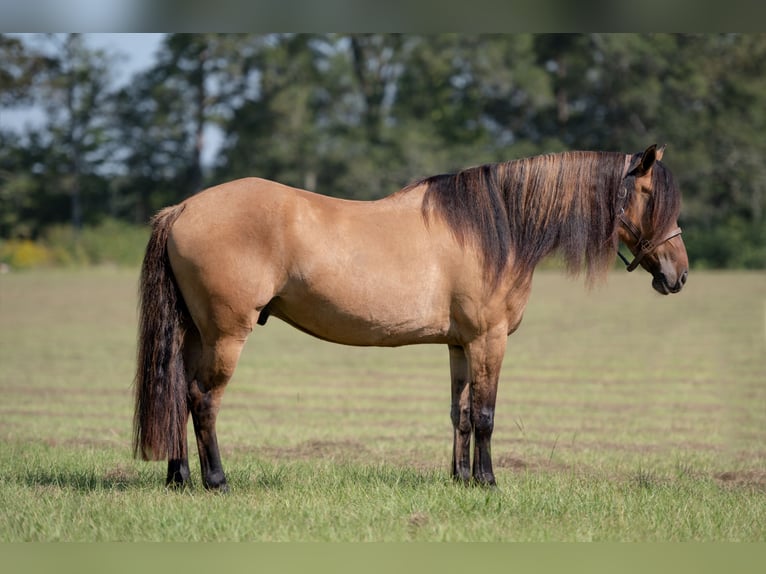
484	421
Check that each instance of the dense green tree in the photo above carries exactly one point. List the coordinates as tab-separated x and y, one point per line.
60	162
198	80
158	146
74	97
272	132
20	70
360	115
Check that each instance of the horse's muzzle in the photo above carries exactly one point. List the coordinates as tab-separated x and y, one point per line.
662	285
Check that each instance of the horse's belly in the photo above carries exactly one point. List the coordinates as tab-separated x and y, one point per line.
396	319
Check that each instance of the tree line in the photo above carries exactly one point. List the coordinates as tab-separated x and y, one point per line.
361	115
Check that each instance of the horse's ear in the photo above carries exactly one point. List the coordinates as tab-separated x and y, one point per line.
641	165
660	151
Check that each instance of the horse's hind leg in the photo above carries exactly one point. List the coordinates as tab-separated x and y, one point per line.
178	468
217	363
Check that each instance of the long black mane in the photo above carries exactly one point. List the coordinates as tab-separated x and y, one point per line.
566	202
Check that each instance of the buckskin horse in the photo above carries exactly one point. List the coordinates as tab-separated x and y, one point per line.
448	259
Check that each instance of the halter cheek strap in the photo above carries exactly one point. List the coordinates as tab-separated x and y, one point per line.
643	246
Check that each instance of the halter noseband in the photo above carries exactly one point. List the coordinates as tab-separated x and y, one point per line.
645	246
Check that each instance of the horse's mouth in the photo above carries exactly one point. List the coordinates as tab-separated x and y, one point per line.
661	285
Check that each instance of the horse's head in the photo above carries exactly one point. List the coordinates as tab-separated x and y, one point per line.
649	221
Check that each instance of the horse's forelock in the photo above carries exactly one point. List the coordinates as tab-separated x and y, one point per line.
666	199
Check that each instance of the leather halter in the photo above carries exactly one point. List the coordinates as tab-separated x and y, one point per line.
644	246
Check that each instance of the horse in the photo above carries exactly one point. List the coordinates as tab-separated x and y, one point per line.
447	260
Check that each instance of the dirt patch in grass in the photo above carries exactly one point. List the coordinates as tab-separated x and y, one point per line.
84	442
45	414
755	479
67	392
519	465
120	476
348	450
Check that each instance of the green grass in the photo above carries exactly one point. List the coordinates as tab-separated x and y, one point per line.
93	496
622	416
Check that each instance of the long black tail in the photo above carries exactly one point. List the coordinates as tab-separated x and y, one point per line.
159	420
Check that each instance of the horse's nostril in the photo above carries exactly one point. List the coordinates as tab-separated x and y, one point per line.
683	277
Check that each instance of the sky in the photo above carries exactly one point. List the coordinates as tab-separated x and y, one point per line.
139	50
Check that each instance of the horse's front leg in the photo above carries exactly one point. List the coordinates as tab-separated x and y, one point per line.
485	358
460	413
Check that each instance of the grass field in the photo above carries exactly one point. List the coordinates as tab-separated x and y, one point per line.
622	416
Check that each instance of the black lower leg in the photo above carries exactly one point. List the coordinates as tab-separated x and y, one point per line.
213	477
482	456
178	467
460	414
178	473
461	470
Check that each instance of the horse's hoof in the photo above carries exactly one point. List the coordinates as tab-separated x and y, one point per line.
220	488
463	480
487	482
178	485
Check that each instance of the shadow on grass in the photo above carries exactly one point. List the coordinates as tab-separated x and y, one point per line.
258	476
88	480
